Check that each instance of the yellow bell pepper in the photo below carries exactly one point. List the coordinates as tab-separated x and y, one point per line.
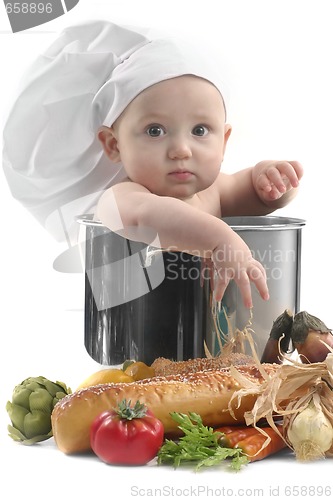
139	371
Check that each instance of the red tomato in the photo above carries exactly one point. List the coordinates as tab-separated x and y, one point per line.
126	436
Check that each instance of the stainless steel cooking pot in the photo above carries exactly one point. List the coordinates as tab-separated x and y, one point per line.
141	303
276	243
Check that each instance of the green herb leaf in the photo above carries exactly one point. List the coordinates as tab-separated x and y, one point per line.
198	444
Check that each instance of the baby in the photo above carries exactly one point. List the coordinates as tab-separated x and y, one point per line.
135	129
171	141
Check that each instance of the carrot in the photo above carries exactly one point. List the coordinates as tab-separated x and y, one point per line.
232	435
252	444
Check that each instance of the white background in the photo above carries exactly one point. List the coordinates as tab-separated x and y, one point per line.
278	56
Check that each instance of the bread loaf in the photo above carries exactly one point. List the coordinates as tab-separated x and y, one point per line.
164	367
206	393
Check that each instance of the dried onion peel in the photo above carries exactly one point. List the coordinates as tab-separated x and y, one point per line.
287	393
310	336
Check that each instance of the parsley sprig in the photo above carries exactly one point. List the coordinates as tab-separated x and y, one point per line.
198	444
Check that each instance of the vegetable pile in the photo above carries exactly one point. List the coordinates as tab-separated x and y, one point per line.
131	435
301	396
293	408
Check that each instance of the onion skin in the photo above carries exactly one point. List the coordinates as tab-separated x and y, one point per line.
279	338
271	352
312	350
307	334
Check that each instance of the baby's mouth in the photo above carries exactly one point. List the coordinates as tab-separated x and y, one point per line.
182	175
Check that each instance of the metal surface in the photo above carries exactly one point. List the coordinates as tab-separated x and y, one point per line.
141	304
139	308
276	243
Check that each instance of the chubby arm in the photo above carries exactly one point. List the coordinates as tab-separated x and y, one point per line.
261	189
135	213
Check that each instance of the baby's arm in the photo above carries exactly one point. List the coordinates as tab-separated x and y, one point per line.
261	189
182	227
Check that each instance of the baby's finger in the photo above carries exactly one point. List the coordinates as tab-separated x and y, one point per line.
222	280
274	193
290	171
257	275
298	169
244	285
264	183
219	289
275	178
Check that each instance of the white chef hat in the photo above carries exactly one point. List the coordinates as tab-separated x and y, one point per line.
52	159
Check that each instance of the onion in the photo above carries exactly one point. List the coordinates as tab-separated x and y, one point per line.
279	339
294	390
311	337
310	432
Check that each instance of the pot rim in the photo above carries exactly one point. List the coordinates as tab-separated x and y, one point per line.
263	223
238	223
88	220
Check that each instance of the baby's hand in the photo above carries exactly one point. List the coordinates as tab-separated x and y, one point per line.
273	179
234	261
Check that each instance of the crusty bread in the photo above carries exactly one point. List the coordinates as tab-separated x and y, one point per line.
164	367
206	393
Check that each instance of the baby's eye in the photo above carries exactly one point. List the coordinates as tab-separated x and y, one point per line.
200	130
155	131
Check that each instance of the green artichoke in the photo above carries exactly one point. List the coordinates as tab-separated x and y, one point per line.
30	410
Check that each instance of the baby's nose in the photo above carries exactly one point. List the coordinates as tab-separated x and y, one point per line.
179	149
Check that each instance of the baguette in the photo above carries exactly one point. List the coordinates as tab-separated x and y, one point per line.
205	393
163	367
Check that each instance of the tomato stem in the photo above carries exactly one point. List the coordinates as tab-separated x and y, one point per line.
128	412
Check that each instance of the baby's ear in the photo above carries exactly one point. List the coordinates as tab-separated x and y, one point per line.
109	142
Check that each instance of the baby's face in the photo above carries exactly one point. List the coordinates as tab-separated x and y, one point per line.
171	138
